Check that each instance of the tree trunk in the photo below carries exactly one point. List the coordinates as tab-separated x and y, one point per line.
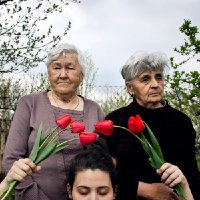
4	128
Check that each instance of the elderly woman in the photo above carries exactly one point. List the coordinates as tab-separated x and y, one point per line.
144	78
65	66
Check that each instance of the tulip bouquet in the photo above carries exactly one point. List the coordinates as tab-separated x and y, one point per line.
47	144
152	148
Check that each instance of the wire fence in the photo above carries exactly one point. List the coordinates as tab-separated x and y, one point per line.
108	97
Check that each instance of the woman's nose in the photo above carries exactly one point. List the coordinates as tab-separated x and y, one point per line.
93	196
63	72
154	83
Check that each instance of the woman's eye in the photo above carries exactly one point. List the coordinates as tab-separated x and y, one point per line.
145	79
55	67
70	67
103	191
83	191
159	78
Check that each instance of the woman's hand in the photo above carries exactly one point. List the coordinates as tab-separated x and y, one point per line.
171	175
21	169
156	191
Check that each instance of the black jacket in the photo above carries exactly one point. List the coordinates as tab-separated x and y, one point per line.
176	136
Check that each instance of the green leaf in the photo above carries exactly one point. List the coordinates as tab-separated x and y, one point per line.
47	138
45	135
7	193
36	146
46	152
152	163
155	160
155	143
179	190
59	148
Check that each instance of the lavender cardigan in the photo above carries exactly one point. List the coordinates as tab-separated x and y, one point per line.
50	182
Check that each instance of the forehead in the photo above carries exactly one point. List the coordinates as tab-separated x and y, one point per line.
67	57
92	178
150	72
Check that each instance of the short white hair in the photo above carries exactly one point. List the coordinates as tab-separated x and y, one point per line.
55	52
141	61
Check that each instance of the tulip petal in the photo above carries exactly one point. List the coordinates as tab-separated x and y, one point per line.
104	127
87	138
135	124
63	121
77	127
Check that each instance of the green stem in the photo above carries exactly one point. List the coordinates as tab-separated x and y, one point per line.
10	189
129	132
45	143
67	141
46	139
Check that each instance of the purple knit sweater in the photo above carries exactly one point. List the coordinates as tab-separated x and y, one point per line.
50	182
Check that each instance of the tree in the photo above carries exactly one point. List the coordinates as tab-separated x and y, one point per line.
184	87
23	46
4	1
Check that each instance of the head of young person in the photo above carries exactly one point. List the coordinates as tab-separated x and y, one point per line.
91	176
144	77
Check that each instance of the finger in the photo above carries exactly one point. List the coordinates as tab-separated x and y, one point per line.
168	172
175	181
28	162
18	175
174	177
164	167
37	168
22	165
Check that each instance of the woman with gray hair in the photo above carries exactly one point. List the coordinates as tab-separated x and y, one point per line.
144	75
66	65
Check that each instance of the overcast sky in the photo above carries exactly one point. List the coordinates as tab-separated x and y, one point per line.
111	30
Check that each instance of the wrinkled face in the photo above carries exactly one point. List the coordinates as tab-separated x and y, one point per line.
65	74
92	185
148	88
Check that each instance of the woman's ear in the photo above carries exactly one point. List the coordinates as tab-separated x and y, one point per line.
129	88
69	191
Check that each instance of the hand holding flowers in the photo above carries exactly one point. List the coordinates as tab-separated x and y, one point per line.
152	148
47	144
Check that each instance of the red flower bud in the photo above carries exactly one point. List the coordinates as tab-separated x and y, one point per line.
135	124
77	127
87	138
105	127
63	121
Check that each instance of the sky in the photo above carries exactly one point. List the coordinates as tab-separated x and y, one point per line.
112	30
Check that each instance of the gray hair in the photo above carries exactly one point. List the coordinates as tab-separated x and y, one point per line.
142	61
55	52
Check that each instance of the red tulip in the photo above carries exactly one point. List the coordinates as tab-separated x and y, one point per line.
63	121
135	124
105	127
77	127
87	138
